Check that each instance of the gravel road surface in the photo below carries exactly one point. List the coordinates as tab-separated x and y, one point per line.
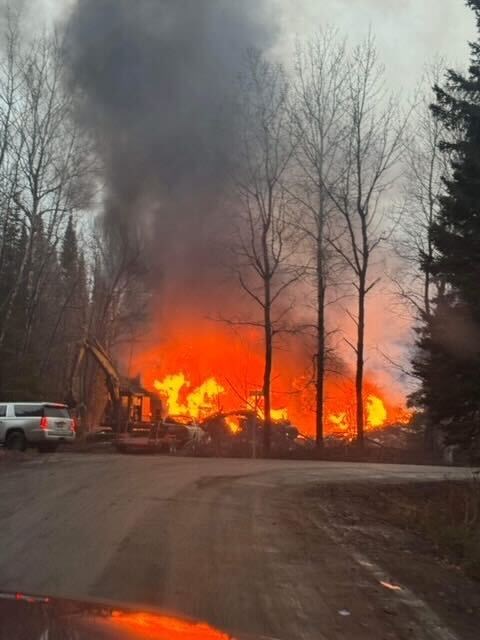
226	541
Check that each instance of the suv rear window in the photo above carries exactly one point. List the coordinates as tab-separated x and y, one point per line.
3	410
29	410
40	410
56	412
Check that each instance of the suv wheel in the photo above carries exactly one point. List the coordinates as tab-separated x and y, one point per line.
16	441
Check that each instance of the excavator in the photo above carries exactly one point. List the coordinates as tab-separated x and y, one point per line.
129	402
135	414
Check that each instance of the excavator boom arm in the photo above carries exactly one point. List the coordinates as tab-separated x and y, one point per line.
98	353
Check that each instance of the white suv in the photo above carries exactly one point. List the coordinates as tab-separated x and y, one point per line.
40	424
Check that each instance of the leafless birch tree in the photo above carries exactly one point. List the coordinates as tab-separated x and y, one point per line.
372	150
265	248
427	166
318	113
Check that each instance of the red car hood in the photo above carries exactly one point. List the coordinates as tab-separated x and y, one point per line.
27	617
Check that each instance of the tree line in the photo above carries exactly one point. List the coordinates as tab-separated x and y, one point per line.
321	154
62	276
332	172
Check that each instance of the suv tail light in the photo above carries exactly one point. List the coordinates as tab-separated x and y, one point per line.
44	423
74	424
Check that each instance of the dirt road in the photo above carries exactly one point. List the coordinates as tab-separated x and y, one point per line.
226	541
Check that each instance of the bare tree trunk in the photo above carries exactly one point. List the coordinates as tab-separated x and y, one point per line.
373	148
267	381
360	348
267	377
264	243
317	115
427	295
321	351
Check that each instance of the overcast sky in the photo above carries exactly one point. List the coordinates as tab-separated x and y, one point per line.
409	33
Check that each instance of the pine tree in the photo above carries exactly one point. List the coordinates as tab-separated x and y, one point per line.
82	295
72	322
448	357
69	254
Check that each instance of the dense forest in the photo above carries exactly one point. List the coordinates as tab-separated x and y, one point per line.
61	277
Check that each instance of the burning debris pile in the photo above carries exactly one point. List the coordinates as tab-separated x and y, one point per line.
204	369
210	398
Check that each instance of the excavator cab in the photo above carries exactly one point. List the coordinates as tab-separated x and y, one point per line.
136	403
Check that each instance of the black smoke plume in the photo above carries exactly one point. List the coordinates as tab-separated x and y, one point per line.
155	80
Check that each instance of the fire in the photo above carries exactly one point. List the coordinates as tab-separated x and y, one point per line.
204	400
376	412
199	403
200	368
376	416
255	402
340	421
232	424
279	415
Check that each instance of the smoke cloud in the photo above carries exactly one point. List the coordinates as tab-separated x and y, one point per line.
155	80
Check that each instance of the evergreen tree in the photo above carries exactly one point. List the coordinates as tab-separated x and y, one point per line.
82	295
448	357
69	254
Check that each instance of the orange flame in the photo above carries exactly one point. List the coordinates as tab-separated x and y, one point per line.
376	415
204	400
279	415
376	412
202	370
255	402
232	424
148	625
201	402
339	420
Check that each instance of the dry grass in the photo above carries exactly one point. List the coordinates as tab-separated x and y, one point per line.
447	514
